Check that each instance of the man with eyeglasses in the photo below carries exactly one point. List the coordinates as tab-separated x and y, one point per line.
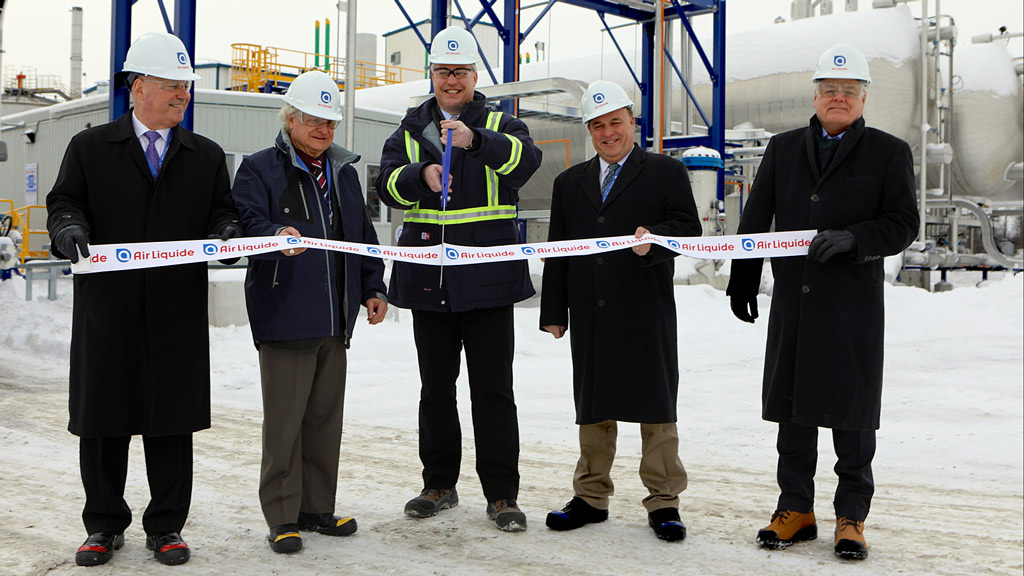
140	350
823	359
492	157
303	306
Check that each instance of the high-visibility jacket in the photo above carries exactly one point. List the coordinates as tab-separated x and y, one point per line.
481	208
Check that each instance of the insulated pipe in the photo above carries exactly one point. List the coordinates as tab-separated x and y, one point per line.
76	52
986	231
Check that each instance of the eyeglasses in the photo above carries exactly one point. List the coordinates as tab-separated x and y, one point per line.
171	85
315	122
832	89
459	73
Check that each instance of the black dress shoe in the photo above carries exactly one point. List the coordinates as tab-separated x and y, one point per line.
98	548
576	513
168	548
666	524
327	523
285	538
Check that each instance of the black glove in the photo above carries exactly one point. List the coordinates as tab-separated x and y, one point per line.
228	232
828	243
741	305
69	238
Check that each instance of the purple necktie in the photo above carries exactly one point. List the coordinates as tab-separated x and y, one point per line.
151	153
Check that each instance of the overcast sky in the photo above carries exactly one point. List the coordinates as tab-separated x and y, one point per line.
37	33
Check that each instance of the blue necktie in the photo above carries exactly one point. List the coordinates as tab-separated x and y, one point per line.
151	154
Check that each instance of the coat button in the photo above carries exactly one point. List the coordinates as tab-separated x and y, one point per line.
805	289
443	302
287	210
600	219
814	197
600	260
600	303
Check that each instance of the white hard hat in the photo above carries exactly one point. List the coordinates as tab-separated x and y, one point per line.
603	97
161	55
453	45
316	94
842	61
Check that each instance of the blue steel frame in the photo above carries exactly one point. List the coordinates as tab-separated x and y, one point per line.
120	41
681	9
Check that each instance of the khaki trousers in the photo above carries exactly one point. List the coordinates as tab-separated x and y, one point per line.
661	471
303	405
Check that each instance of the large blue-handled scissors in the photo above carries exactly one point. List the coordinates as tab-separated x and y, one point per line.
446	169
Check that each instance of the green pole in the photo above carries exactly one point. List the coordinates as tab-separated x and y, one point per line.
316	45
327	46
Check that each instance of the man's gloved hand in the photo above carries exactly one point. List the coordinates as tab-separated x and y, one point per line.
228	232
744	308
828	243
71	237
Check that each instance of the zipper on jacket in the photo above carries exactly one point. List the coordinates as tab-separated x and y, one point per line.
273	281
305	205
325	226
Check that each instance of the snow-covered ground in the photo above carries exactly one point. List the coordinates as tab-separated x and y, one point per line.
949	469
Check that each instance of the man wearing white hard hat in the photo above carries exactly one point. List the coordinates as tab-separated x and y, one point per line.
823	360
140	354
303	305
492	157
621	310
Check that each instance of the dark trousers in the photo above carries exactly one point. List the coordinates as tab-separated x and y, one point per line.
104	464
303	408
798	458
489	339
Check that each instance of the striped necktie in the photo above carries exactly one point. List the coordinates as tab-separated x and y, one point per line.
151	154
317	169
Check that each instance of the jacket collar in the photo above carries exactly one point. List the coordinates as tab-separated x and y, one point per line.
124	131
337	155
629	171
846	144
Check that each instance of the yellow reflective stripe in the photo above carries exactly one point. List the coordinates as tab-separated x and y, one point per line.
517	154
393	186
412	148
492	187
463	216
493	120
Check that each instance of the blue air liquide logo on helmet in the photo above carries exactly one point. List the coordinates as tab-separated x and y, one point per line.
747	244
325	97
598	98
453	45
839	61
123	254
210	249
451	253
182	59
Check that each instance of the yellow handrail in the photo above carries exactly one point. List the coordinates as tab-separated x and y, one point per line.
23	220
254	68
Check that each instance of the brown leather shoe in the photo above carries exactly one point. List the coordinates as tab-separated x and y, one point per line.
786	528
850	543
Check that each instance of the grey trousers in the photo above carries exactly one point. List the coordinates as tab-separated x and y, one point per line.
303	407
661	470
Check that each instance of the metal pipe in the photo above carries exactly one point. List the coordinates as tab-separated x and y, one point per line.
76	52
922	195
658	82
986	231
350	76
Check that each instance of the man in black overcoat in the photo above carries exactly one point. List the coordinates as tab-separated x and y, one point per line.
823	359
140	352
622	308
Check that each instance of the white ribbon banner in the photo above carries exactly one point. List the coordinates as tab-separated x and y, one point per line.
114	257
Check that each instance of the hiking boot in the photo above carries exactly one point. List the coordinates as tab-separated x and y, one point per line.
327	524
431	501
850	543
506	515
285	538
576	513
168	548
98	548
666	524
786	528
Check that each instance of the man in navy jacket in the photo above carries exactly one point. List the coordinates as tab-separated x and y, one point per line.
303	306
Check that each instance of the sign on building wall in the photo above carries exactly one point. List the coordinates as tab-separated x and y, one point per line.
31	183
